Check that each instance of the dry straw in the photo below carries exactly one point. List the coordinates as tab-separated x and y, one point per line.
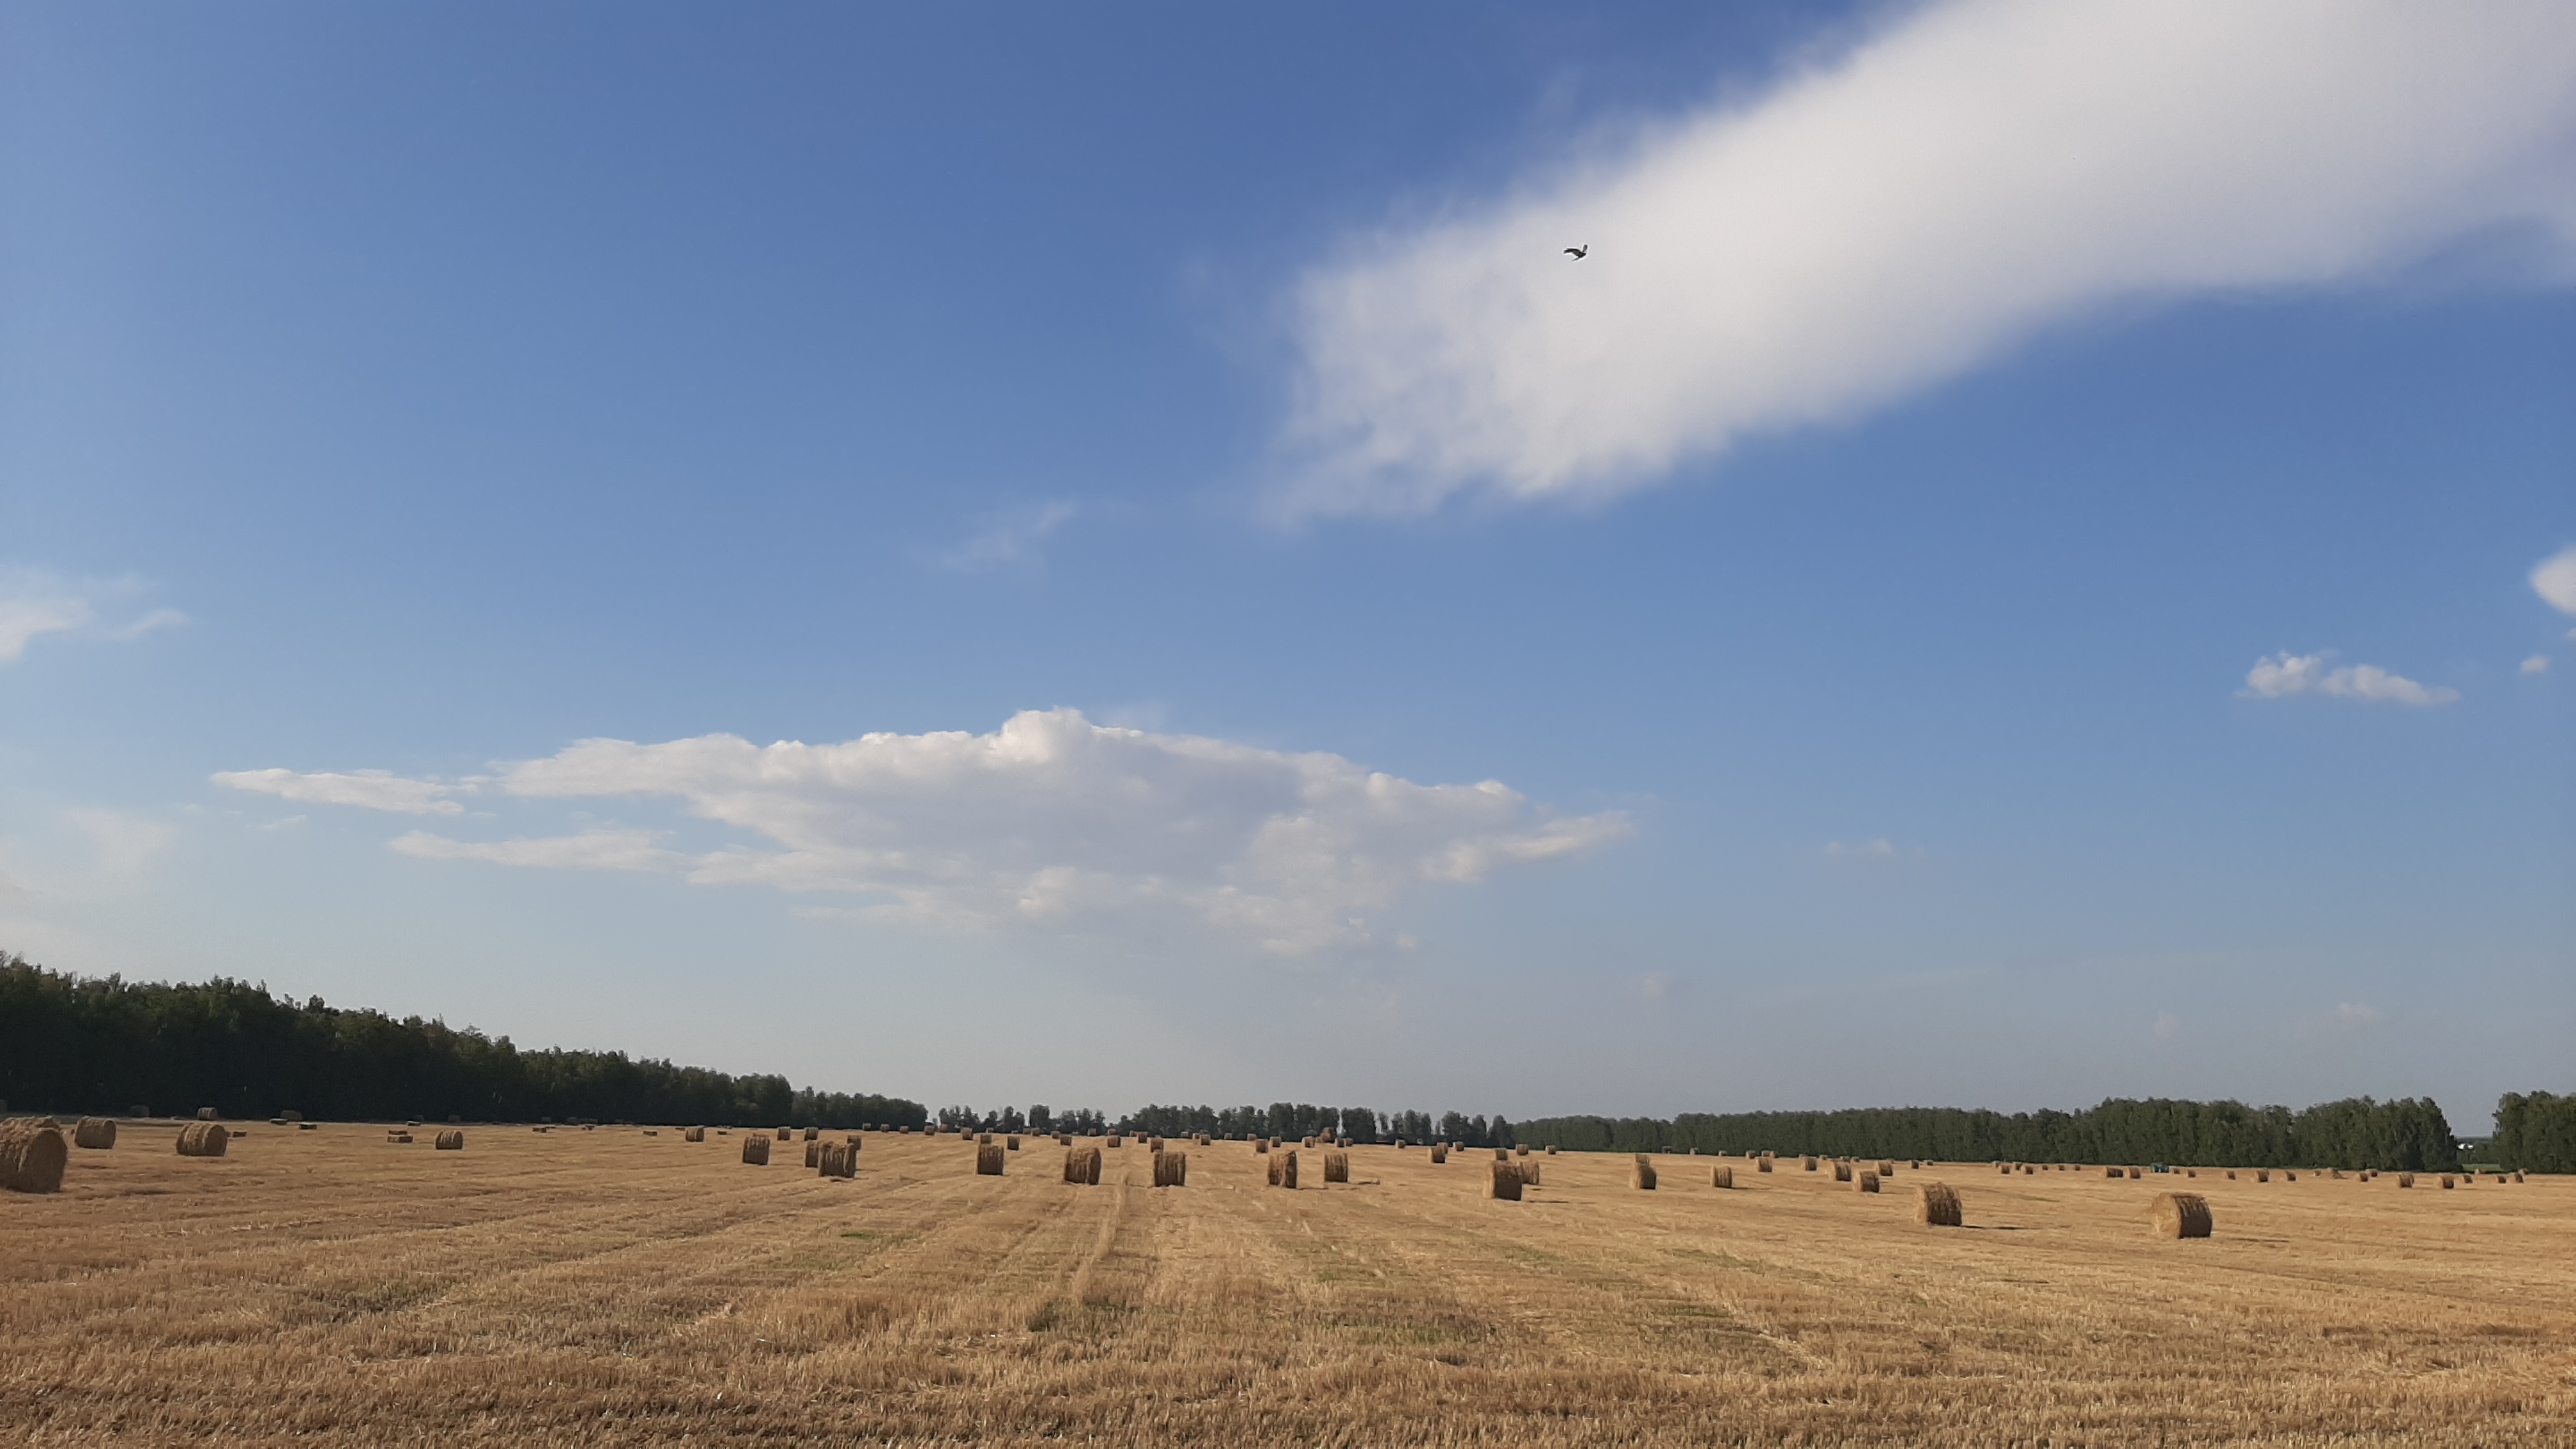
1439	1152
1721	1177
755	1149
32	1154
836	1159
983	1139
1842	1172
1261	1144
1171	1169
2261	1175
1529	1174
1011	1144
207	1114
1082	1166
202	1138
1064	1139
813	1132
1762	1163
988	1159
1521	1151
1283	1168
2405	1179
1551	1149
693	1134
451	1141
96	1133
1117	1141
2446	1182
1868	1182
1153	1144
2133	1174
2181	1215
2006	1170
786	1134
1809	1164
1337	1167
813	1154
1935	1205
1887	1169
2115	1172
1505	1184
1641	1174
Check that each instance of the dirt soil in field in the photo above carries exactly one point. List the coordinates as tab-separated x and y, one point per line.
616	1288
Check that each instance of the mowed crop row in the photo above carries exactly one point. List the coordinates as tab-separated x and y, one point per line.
335	1286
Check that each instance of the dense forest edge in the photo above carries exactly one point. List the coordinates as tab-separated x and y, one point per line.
104	1045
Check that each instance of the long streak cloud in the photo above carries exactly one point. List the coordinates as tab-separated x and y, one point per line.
1950	186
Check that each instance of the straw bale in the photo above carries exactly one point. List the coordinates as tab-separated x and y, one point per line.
1082	1166
1505	1184
2405	1179
755	1149
813	1132
786	1134
813	1154
1809	1164
2115	1172
451	1141
1935	1205
1721	1177
836	1159
1868	1182
2133	1174
202	1138
1887	1169
2262	1175
1520	1150
96	1133
1171	1169
1762	1163
1153	1144
1261	1144
693	1134
1842	1172
988	1159
1551	1149
207	1114
33	1154
1529	1174
1641	1174
1283	1168
1337	1166
1011	1144
2446	1182
2181	1215
1439	1152
1117	1141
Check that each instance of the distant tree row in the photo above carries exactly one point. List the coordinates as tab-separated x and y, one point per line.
2409	1135
1298	1120
2536	1132
88	1044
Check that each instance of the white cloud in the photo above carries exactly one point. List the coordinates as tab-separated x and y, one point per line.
1008	539
1972	174
590	850
1880	848
2536	664
2554	579
2281	675
368	789
34	602
1052	820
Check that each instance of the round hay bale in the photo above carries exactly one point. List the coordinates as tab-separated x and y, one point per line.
1117	1141
1283	1168
207	1114
836	1159
2405	1179
1082	1166
1439	1152
94	1133
1721	1177
1935	1205
2133	1174
1505	1183
2446	1182
1842	1172
1520	1151
1502	1154
2007	1171
983	1139
202	1138
1011	1144
755	1149
813	1154
2262	1175
33	1154
1887	1169
1641	1174
813	1132
1153	1144
786	1134
1868	1182
1337	1166
1172	1169
1064	1139
1808	1164
1529	1174
2181	1215
451	1141
1551	1149
1762	1163
693	1134
1261	1144
2115	1172
988	1160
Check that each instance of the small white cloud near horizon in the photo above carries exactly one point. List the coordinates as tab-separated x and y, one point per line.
36	602
366	789
2278	676
2554	579
1963	179
2536	664
1879	848
1008	540
1051	821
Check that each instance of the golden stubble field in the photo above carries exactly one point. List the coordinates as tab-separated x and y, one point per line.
610	1287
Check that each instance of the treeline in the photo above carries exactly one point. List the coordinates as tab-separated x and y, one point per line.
1296	1119
90	1044
2536	1132
2410	1135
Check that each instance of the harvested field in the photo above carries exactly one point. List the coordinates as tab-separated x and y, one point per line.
610	1287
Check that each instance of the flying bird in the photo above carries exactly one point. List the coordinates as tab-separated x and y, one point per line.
1579	253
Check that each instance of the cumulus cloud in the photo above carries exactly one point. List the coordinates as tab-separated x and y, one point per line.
2536	664
368	789
2554	579
34	602
2281	675
1051	820
1971	174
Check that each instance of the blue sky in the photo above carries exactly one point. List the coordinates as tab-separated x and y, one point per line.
1989	585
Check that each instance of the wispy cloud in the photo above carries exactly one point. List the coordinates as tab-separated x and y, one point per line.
1966	177
1049	821
2554	579
1008	540
36	602
367	789
2536	664
2279	676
